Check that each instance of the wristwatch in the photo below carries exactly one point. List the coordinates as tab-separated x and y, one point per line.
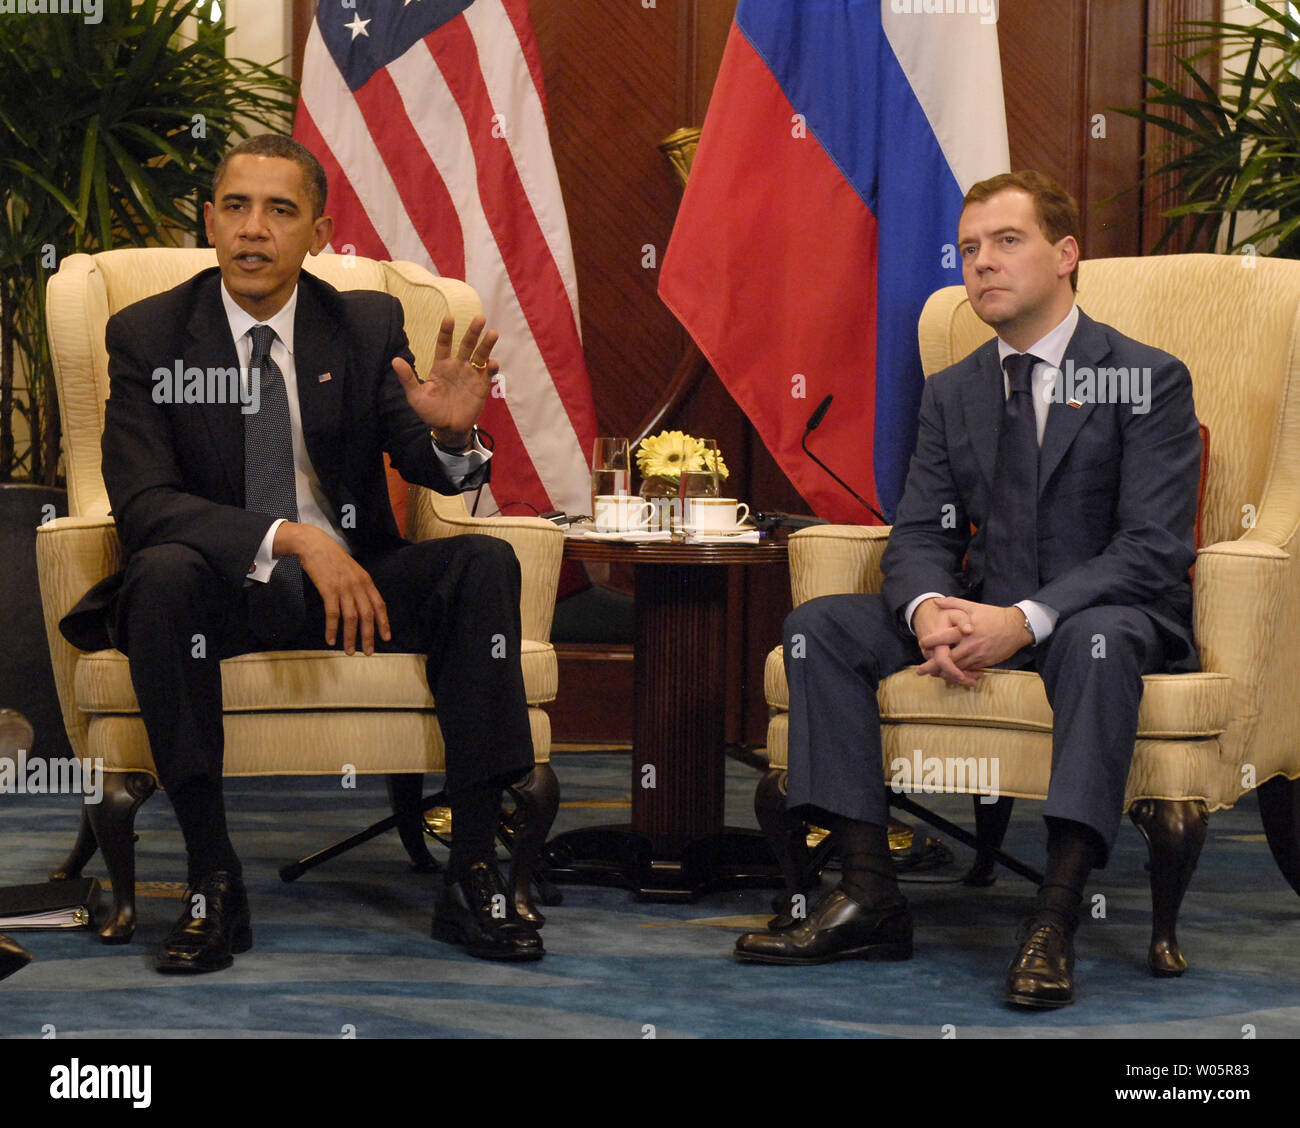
1029	627
473	437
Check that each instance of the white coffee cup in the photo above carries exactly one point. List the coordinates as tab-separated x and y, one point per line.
621	513
715	513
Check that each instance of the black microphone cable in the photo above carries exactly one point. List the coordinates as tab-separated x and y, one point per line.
815	421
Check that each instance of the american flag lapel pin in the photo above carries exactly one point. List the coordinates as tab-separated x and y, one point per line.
323	378
1072	403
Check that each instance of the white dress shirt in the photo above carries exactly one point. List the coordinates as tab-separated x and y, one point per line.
313	506
1050	350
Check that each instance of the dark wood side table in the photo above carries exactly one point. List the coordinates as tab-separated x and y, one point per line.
677	846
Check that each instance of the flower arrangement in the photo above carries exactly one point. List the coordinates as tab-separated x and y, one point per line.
669	453
662	460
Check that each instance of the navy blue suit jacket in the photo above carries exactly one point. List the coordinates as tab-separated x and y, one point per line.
1117	490
175	472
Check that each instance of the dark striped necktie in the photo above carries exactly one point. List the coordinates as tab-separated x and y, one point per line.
275	608
1011	531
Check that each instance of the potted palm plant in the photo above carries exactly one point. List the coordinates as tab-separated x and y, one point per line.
1235	164
111	131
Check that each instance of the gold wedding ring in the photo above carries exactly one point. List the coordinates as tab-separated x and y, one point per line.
480	367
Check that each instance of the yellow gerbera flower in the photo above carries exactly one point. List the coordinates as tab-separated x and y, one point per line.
668	453
714	463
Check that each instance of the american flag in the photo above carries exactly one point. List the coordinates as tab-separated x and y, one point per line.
430	119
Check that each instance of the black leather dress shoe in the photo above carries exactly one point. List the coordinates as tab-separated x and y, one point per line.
838	929
12	957
784	905
479	914
209	942
1042	974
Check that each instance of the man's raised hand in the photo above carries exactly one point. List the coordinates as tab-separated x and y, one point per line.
451	398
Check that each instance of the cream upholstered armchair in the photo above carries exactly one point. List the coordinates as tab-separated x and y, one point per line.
1204	739
286	712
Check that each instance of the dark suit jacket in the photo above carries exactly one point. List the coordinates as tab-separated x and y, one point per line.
1117	490
175	472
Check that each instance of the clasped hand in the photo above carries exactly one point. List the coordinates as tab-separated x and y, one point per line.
960	639
451	398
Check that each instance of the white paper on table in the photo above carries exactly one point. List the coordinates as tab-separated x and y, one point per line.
748	537
629	537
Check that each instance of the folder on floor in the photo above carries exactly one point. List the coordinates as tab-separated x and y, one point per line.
49	904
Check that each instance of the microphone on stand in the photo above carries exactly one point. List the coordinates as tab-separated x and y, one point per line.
815	421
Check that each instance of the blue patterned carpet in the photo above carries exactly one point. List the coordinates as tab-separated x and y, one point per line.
348	945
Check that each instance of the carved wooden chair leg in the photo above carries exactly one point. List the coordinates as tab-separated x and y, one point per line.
537	800
112	820
991	822
1175	832
83	849
1279	811
789	840
406	794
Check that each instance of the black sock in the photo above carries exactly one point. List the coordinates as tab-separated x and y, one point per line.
867	871
201	810
475	811
1073	849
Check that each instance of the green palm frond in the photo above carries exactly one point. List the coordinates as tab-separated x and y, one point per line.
1235	150
109	134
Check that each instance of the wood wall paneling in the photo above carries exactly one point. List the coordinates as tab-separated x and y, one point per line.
304	11
594	700
709	24
1113	48
1040	44
1064	61
1162	25
612	94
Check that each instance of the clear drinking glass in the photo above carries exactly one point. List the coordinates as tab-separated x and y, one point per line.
610	469
699	479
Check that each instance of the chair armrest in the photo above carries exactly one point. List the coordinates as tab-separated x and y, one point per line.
72	555
836	560
1239	595
538	544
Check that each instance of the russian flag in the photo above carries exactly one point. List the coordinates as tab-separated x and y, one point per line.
821	212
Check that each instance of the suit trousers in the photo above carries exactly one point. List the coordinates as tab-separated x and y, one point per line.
455	600
839	647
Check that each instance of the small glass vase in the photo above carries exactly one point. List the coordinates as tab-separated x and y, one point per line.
662	494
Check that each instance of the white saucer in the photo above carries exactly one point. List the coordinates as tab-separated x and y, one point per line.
711	531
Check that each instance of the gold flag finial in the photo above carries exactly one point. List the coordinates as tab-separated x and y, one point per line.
679	147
